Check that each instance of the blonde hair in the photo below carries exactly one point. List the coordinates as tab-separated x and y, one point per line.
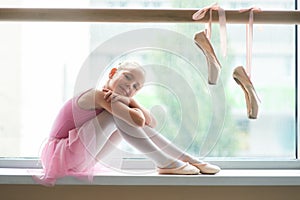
129	64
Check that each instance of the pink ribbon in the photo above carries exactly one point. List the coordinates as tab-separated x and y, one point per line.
200	14
249	38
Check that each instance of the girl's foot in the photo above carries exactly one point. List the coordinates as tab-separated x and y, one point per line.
206	168
186	169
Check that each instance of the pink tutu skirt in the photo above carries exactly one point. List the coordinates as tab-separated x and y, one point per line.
71	156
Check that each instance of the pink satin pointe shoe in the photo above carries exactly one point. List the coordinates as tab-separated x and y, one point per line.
186	169
214	66
252	100
206	168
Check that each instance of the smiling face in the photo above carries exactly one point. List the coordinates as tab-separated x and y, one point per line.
126	81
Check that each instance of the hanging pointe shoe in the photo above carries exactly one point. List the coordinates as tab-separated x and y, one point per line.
214	66
252	100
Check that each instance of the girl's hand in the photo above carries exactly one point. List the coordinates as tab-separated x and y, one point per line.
112	97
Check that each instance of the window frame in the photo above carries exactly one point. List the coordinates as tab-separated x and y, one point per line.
158	16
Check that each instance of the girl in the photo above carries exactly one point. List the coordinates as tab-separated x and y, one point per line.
92	123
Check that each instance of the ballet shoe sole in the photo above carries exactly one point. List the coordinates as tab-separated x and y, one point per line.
184	170
207	169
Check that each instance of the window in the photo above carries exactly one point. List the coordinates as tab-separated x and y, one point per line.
40	63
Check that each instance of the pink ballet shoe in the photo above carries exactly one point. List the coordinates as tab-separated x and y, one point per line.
214	66
252	100
186	169
206	168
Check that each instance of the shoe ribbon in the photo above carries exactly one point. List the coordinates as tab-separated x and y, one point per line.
249	37
200	14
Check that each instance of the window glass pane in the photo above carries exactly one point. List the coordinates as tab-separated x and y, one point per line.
41	61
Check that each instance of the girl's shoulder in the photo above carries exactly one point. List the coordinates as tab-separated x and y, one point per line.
88	99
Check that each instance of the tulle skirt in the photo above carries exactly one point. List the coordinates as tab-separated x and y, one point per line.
71	156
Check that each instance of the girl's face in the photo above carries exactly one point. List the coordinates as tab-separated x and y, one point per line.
127	81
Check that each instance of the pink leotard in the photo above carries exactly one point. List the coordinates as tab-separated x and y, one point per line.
71	116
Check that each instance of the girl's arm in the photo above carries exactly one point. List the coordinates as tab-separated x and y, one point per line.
95	99
110	96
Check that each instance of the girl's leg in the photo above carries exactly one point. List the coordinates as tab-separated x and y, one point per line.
166	146
140	140
175	152
105	130
110	145
101	132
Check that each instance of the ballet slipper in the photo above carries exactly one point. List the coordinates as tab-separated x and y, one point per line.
252	100
206	168
186	169
214	66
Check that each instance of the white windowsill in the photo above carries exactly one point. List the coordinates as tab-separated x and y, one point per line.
224	178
